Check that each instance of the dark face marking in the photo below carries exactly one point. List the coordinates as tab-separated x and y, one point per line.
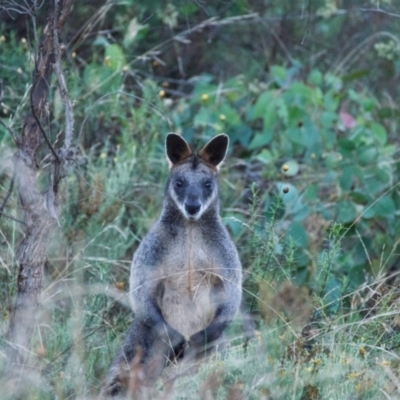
193	186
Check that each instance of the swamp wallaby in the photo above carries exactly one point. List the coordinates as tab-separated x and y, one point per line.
185	284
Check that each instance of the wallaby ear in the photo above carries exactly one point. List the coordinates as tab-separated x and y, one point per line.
176	148
215	150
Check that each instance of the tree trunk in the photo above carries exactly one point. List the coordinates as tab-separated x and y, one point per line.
40	209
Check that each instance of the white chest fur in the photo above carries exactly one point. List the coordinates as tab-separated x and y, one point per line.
188	276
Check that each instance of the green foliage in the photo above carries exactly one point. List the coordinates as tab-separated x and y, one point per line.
309	191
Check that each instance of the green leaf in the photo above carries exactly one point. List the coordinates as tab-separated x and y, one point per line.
115	58
260	140
282	111
235	224
359	197
101	41
379	132
228	114
346	211
385	206
293	168
356	75
315	77
265	157
311	193
203	118
367	155
288	193
328	118
279	74
298	234
263	103
346	178
242	134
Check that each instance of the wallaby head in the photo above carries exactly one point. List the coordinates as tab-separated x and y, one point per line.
193	184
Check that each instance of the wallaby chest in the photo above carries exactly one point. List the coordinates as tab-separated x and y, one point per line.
187	278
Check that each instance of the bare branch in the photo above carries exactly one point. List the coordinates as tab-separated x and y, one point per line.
380	11
69	116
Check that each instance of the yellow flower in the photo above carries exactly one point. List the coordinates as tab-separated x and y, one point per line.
204	97
107	61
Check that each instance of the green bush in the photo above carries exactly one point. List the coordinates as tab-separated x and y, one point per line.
309	193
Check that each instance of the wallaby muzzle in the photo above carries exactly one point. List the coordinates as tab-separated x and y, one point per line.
192	203
192	207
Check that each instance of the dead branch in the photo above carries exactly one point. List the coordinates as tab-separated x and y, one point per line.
40	209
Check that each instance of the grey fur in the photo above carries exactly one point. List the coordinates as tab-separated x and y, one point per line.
186	277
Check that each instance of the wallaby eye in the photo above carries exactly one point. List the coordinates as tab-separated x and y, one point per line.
207	184
178	183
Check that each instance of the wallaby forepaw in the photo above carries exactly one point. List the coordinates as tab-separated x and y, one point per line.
179	350
198	340
111	389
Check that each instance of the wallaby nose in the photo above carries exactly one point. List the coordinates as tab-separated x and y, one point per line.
192	208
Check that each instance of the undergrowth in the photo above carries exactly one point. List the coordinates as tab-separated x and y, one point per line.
309	193
316	341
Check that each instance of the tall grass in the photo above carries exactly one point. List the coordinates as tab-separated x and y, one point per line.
308	343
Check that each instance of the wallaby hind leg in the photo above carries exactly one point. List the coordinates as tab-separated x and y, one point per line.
144	353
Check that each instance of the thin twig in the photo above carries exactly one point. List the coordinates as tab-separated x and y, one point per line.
380	11
308	23
43	132
3	204
12	218
211	22
9	130
69	116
